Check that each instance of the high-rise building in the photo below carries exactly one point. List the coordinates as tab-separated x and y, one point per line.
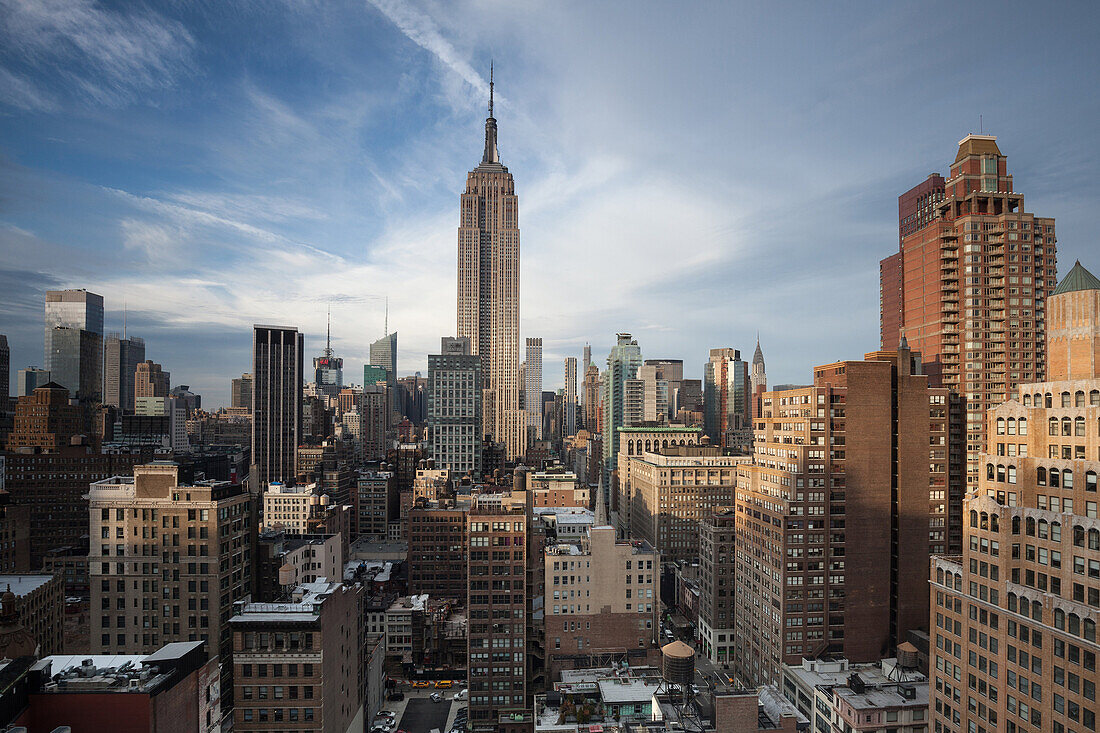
726	399
622	365
168	559
45	421
488	290
121	356
241	393
570	396
592	398
672	371
5	373
328	370
150	380
839	513
717	566
74	346
532	376
758	379
454	406
1013	642
655	394
277	359
602	599
968	286
383	353
29	379
309	652
497	632
438	552
637	441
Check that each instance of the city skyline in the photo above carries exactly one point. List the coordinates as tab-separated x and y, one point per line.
176	238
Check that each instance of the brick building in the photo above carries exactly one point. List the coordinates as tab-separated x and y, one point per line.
40	608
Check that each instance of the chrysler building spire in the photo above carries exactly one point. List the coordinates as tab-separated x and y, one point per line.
491	154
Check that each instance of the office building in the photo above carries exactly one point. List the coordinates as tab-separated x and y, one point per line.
532	375
374	502
74	346
29	379
241	393
488	290
40	608
637	441
717	566
838	695
672	372
844	503
973	284
15	530
727	399
150	380
5	373
602	599
45	421
592	399
454	406
168	559
383	354
175	688
497	603
438	552
277	354
655	395
622	365
1013	617
328	369
570	397
289	508
300	664
121	356
672	492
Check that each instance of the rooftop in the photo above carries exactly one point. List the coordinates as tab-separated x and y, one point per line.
306	606
1078	278
22	585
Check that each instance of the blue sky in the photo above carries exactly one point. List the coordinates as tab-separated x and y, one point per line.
691	173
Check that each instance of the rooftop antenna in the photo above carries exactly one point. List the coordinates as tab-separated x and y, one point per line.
981	125
124	320
490	87
328	331
386	323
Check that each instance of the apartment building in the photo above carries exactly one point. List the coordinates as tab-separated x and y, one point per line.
717	566
635	441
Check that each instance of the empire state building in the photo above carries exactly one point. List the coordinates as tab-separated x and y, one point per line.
488	289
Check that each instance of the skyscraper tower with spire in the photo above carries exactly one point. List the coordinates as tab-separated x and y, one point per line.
328	370
758	379
488	288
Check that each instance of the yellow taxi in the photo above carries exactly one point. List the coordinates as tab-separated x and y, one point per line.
420	683
444	684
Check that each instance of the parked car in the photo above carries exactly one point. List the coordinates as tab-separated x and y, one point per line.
396	696
436	697
444	684
421	683
460	695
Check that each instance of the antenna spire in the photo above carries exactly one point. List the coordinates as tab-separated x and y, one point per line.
490	88
386	323
328	332
124	320
491	155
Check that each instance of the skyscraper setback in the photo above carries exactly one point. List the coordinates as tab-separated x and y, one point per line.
488	289
968	286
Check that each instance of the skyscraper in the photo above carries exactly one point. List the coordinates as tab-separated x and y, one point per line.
655	391
29	379
150	380
570	395
622	365
592	398
328	370
121	356
726	398
672	371
532	376
758	379
969	284
488	289
241	396
383	353
74	346
277	360
454	406
5	376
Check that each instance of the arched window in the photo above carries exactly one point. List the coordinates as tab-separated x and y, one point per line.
1044	529
1011	601
1067	479
1016	527
1029	525
989	471
993	526
1048	400
1066	426
1090	481
984	520
648	447
1089	630
630	447
1079	427
1052	426
1038	400
1065	400
1040	476
664	444
1074	625
1037	610
973	518
1023	426
1056	531
1078	536
1094	397
1001	473
1027	400
1059	619
1079	398
1011	426
1000	426
1011	474
939	575
1094	539
1054	476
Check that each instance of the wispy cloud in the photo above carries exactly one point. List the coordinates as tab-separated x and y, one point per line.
101	54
